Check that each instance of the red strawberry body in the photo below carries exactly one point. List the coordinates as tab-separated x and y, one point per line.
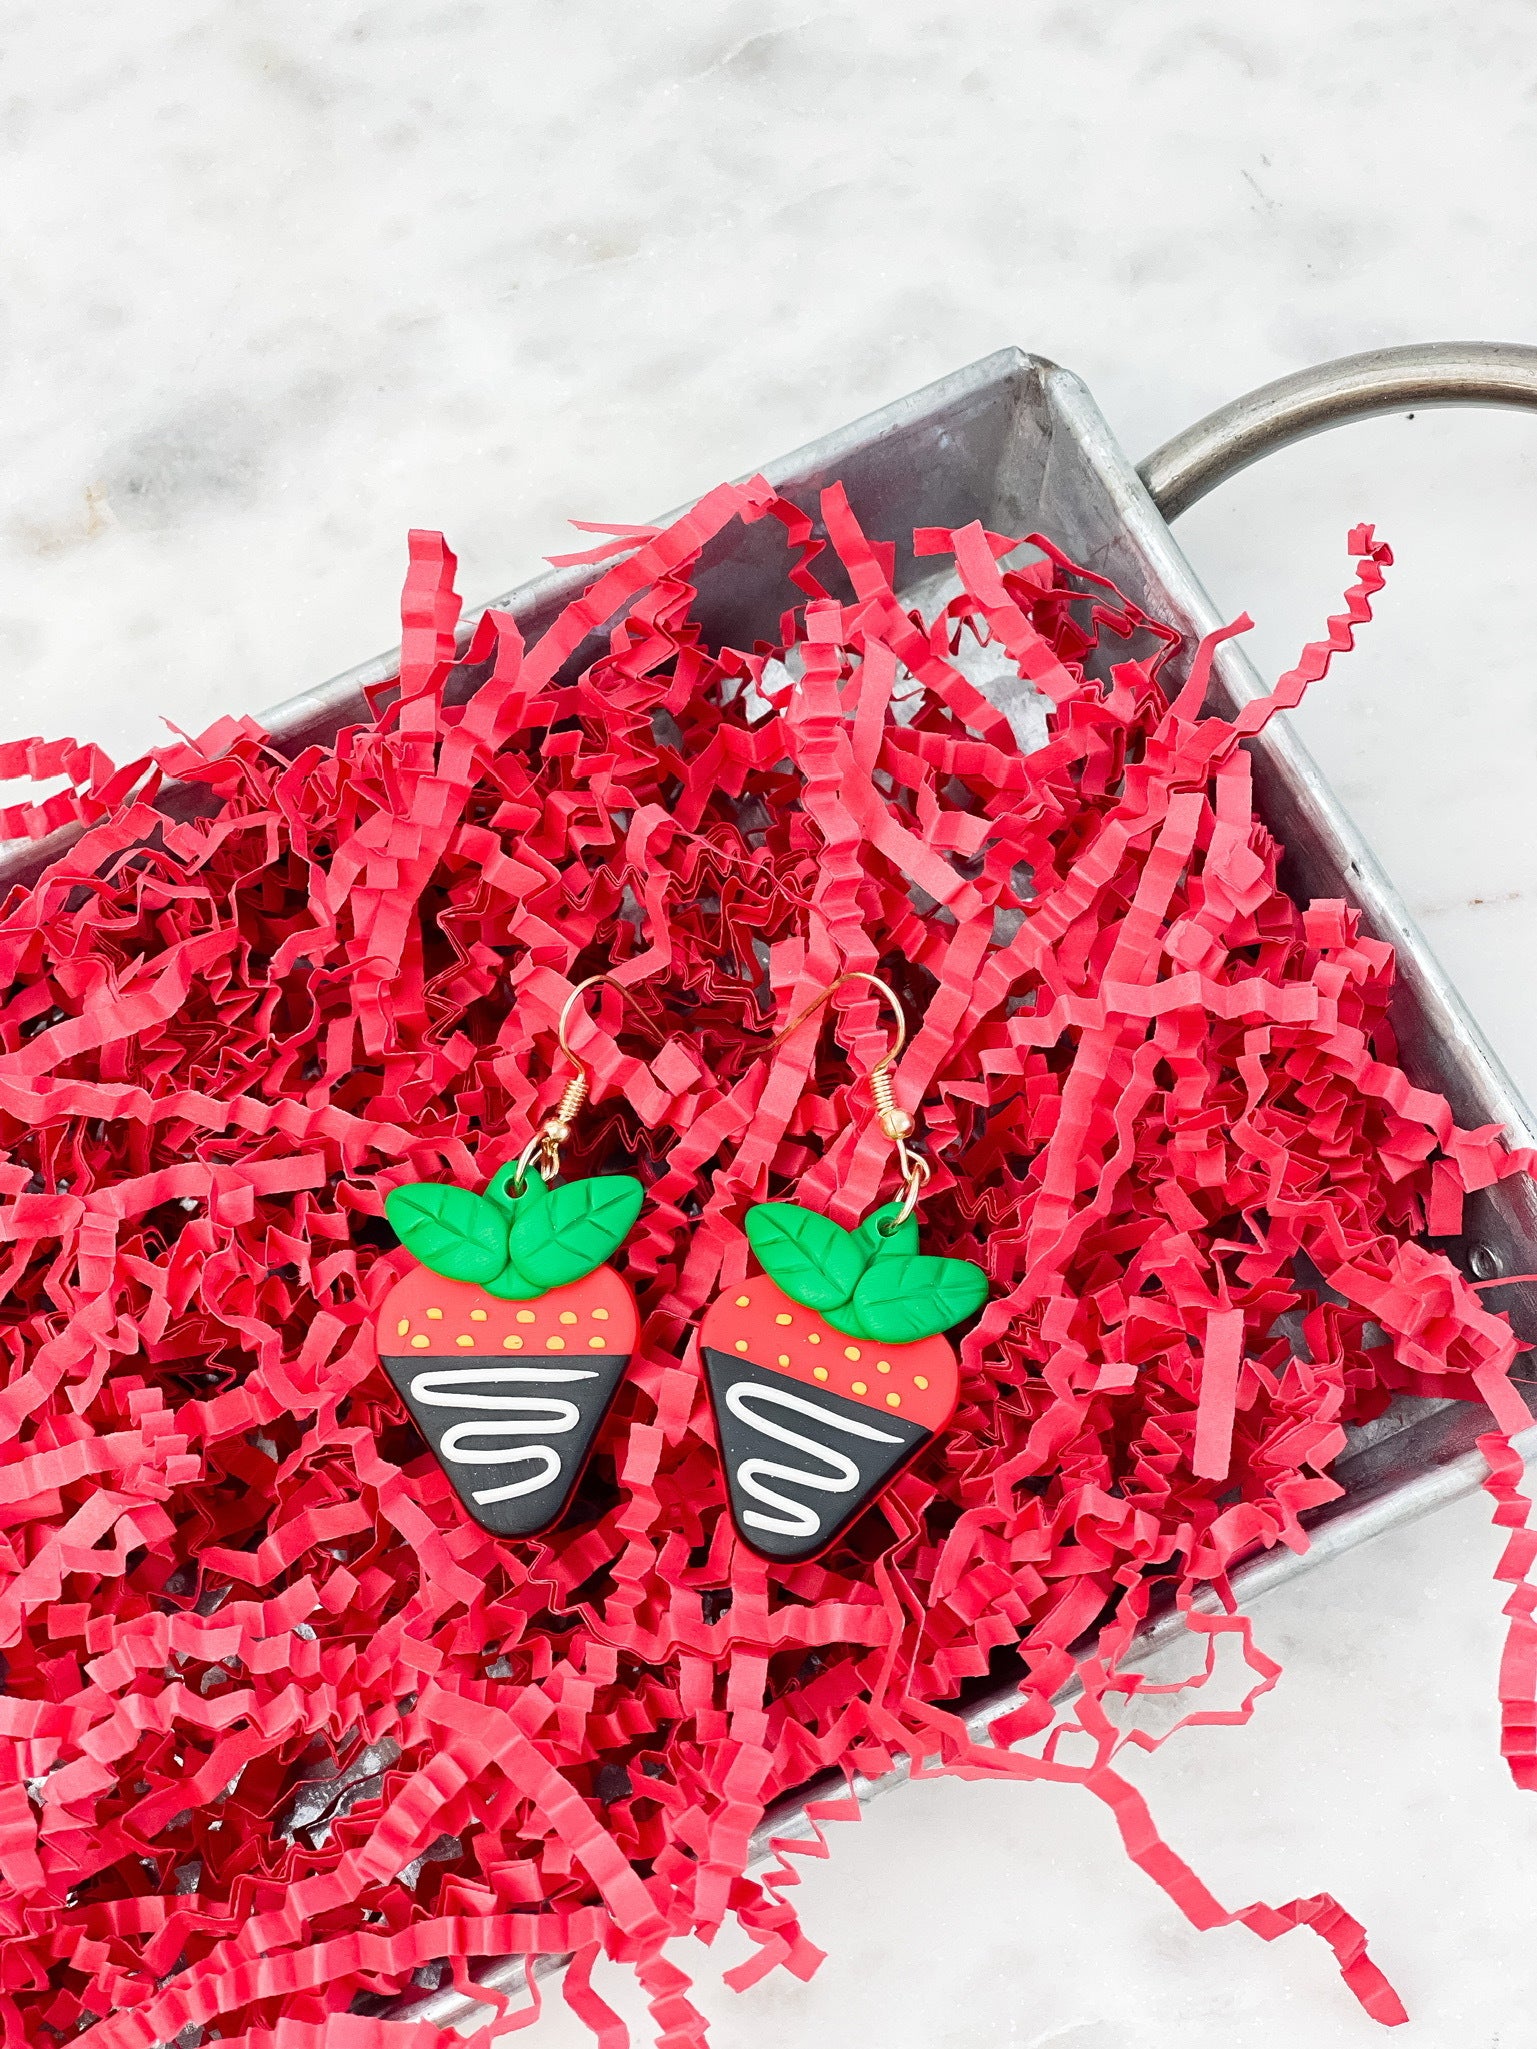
812	1422
508	1394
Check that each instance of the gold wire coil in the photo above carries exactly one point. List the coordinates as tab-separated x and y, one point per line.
897	1124
572	1100
556	1129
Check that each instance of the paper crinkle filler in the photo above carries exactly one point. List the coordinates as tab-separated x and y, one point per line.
288	1736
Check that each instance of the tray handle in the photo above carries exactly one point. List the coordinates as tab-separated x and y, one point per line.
1333	394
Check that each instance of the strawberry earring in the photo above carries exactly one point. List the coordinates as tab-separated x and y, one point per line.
509	1340
827	1373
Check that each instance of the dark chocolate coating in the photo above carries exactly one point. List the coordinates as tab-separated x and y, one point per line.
535	1420
792	1494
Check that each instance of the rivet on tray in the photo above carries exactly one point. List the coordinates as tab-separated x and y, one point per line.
1483	1262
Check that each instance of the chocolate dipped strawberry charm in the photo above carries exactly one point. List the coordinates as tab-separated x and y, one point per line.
827	1373
508	1342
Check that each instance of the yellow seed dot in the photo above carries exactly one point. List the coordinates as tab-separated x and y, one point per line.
782	1318
464	1341
893	1401
512	1344
421	1343
883	1365
600	1316
595	1344
741	1344
813	1337
568	1316
554	1344
436	1315
744	1301
851	1351
525	1316
477	1316
860	1388
919	1381
819	1372
403	1326
784	1358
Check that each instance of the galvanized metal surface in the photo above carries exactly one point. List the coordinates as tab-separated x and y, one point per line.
1404	380
1019	443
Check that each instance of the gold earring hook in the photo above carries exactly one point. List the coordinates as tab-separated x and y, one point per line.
898	1125
556	1129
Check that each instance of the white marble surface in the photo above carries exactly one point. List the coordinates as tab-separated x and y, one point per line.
280	282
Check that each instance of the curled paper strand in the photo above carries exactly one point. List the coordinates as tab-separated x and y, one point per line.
287	1737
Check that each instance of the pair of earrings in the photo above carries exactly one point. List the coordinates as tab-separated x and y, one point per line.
826	1371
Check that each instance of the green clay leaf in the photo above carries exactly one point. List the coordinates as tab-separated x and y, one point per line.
510	1200
900	1300
511	1286
848	1320
814	1260
574	1229
458	1234
878	1243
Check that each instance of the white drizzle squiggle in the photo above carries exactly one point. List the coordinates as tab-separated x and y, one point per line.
795	1518
530	1412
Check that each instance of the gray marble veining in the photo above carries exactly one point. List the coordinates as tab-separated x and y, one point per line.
277	284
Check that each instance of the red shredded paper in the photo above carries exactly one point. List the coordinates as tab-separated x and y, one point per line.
284	1733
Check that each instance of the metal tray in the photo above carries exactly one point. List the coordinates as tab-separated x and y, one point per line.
1018	442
